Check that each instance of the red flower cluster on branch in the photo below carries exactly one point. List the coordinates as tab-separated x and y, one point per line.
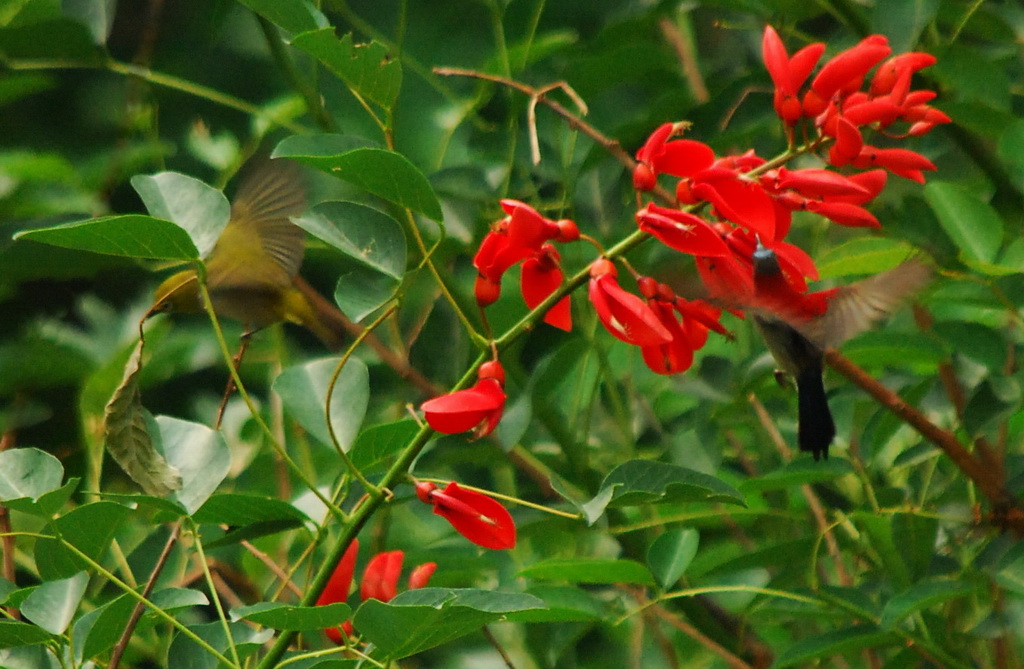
380	581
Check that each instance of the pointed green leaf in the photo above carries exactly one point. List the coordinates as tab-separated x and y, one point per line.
796	473
921	596
184	652
377	443
671	553
417	620
128	439
589	570
129	236
28	473
368	236
841	641
53	604
284	617
974	226
199	453
243	509
303	389
564	603
649	482
89	528
96	15
368	69
384	173
201	210
295	16
97	631
14	633
864	255
361	292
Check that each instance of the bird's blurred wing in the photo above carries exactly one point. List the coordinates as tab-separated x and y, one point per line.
268	196
857	307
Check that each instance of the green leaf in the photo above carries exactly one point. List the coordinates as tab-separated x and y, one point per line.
384	173
671	553
128	438
921	596
170	599
864	255
303	389
835	643
368	69
796	473
917	535
96	15
564	603
60	39
53	604
14	633
993	401
243	509
902	21
187	653
295	16
201	456
129	236
28	473
361	292
89	528
368	236
640	482
417	620
589	570
97	631
201	210
378	443
977	341
973	225
283	617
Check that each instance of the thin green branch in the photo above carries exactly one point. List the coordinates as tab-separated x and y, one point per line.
214	595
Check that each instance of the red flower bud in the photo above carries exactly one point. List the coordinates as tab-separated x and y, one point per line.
624	315
474	515
380	578
337	588
478	408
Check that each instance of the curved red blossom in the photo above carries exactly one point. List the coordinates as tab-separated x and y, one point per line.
741	201
420	576
674	356
680	157
788	74
474	515
624	315
903	162
844	213
816	183
380	578
845	72
848	145
681	231
727	278
337	588
890	71
541	276
479	407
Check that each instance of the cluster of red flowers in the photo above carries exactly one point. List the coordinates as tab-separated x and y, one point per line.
748	200
380	581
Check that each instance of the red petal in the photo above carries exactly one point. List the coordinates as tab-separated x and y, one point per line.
684	157
726	278
743	202
380	578
539	279
887	73
464	409
474	515
655	143
849	143
341	580
818	183
527	229
776	60
848	68
624	315
681	231
873	181
903	162
802	62
675	356
844	213
492	245
420	576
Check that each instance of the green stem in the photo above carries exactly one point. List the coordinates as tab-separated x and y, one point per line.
226	353
193	530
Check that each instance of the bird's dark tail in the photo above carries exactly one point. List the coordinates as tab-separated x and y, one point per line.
816	428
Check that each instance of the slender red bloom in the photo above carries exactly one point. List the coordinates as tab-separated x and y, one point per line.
788	74
679	157
688	323
624	315
478	408
890	71
681	231
848	145
420	576
845	72
904	162
380	578
844	213
474	515
338	586
541	276
741	201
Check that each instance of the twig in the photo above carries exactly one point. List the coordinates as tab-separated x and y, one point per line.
497	646
687	59
133	619
272	566
689	630
1005	511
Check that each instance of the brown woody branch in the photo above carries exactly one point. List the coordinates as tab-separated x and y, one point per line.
1005	510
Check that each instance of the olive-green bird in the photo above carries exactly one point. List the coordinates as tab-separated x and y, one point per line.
252	271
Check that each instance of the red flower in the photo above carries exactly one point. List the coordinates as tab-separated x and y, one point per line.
844	73
380	581
624	315
680	157
478	408
788	74
541	276
474	515
681	231
904	162
688	322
